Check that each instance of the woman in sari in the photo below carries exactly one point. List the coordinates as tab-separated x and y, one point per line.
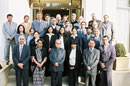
39	58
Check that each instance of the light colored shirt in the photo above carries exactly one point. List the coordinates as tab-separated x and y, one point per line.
29	39
72	57
62	41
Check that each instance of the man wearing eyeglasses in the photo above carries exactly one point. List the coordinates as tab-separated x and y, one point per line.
57	57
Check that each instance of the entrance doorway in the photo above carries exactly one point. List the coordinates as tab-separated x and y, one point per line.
53	7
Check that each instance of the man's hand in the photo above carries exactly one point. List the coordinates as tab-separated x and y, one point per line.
49	49
102	65
56	64
72	68
88	68
20	65
10	38
32	58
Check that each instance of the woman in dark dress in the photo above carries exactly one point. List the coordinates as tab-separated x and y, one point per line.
49	39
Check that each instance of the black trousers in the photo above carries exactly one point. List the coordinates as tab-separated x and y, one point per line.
73	77
22	74
106	78
54	77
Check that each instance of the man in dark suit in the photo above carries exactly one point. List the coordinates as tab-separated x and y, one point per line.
90	60
21	57
86	37
55	27
57	57
107	57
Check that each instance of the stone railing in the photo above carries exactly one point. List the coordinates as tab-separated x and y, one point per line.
4	73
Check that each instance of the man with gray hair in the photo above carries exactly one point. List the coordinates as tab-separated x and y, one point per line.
59	21
57	57
94	18
21	57
73	19
40	25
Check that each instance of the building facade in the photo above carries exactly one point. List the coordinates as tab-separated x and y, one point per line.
118	11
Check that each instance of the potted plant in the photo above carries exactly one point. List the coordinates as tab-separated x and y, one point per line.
122	61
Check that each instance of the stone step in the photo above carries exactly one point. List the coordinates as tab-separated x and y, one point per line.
47	81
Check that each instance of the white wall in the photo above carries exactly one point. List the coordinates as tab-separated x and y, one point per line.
123	29
18	8
92	6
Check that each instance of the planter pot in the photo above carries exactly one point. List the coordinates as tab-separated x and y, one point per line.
121	63
4	73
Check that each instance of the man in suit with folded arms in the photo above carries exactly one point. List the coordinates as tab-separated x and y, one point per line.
21	57
57	57
90	60
107	57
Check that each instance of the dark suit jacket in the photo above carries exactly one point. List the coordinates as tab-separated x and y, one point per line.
108	58
97	42
98	21
78	41
25	56
57	58
85	40
77	60
43	54
56	30
91	59
50	44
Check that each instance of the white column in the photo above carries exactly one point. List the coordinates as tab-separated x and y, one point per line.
123	28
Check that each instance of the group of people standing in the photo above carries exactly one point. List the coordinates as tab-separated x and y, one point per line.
59	47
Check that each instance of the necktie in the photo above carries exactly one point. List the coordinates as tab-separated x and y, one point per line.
21	48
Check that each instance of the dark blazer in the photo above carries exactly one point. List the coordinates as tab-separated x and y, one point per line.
50	44
43	54
78	41
25	56
85	40
32	45
98	21
74	22
56	29
57	58
91	59
66	41
77	60
108	58
97	42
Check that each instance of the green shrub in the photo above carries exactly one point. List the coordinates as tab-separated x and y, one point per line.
120	50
